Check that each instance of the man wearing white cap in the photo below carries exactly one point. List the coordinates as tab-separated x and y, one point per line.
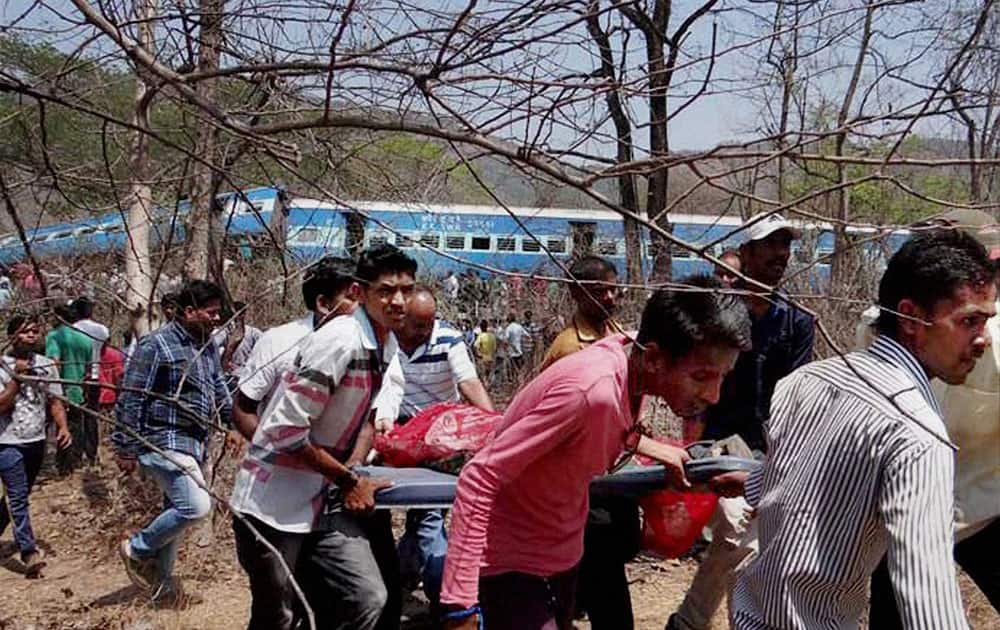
782	341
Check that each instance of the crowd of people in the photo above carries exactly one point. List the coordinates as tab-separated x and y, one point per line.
860	481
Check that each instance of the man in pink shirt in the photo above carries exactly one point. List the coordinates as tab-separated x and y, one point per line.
521	504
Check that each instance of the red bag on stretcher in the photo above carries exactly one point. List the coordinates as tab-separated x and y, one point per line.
443	437
672	520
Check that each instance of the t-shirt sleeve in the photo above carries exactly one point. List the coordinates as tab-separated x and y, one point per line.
461	365
260	373
52	347
52	384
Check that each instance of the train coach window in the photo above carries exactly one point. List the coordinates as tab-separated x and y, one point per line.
403	240
505	243
377	239
454	241
430	240
481	243
530	245
307	235
607	247
556	245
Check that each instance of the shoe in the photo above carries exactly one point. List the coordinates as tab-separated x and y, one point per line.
170	594
141	572
33	564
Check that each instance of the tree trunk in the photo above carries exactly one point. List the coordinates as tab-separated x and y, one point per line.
204	246
139	203
628	195
844	264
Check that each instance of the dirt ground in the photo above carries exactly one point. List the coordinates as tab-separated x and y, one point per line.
78	519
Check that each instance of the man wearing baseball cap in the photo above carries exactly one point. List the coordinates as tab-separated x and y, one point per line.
782	341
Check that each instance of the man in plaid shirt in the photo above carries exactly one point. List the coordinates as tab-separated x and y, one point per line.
172	395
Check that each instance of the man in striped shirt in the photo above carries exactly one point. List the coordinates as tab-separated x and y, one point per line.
296	485
436	368
860	464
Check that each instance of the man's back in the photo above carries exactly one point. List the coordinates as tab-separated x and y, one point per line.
74	352
851	475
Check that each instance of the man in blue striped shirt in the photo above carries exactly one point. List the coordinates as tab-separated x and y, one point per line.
436	368
860	465
172	396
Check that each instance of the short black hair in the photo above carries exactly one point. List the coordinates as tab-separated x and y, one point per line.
329	276
64	313
84	307
678	320
382	259
18	320
929	268
591	269
169	299
198	293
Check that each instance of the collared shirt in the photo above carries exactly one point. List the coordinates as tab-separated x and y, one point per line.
432	373
577	336
325	399
173	391
25	423
971	412
859	468
782	341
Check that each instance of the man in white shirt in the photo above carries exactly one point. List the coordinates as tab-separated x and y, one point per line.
436	369
860	465
514	336
98	334
296	482
328	290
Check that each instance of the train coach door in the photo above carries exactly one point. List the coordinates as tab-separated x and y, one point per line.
583	234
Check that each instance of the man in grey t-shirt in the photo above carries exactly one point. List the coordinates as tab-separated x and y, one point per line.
29	386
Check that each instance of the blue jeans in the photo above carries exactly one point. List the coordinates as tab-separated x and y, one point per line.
19	466
185	503
423	548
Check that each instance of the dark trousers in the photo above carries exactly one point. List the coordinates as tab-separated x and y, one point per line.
978	555
274	600
611	539
19	466
84	429
518	601
352	573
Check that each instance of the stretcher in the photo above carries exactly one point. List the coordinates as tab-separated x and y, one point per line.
424	488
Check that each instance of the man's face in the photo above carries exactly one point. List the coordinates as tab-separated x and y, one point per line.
202	320
765	260
957	335
27	337
727	277
419	325
386	299
690	384
603	300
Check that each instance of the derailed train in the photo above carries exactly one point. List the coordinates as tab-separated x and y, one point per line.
441	237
